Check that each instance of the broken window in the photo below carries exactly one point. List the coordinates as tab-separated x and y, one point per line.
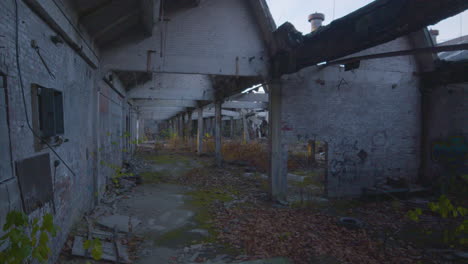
47	109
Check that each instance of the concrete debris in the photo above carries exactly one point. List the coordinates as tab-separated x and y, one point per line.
461	254
202	232
294	177
108	251
121	222
100	211
351	223
194	257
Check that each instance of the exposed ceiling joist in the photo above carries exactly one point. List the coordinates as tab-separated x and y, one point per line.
165	103
93	10
122	20
244	105
250	97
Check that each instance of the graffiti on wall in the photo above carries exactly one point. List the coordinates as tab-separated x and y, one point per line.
350	159
451	153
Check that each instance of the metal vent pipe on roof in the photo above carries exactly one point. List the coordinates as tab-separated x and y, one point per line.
316	20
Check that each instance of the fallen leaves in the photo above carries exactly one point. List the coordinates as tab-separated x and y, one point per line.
300	235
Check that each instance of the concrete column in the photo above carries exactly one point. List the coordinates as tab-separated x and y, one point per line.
246	135
200	131
181	126
183	129
211	122
173	127
142	129
231	128
188	133
217	126
278	162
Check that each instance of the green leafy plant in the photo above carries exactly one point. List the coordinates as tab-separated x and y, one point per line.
96	248
414	214
445	209
26	240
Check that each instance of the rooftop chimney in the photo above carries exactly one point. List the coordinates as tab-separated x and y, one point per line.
316	20
434	33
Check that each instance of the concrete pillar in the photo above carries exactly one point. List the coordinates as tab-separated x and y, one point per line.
231	128
278	162
200	131
183	129
188	133
212	125
217	126
142	129
173	127
246	135
180	126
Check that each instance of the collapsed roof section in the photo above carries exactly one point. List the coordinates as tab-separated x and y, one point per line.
377	23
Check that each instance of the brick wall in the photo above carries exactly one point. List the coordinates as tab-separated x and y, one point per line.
370	118
79	82
446	121
217	37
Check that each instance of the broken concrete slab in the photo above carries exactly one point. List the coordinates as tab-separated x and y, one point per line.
122	223
108	251
294	177
202	232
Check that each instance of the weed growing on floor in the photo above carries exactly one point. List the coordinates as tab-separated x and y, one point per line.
446	210
204	200
253	153
155	177
96	248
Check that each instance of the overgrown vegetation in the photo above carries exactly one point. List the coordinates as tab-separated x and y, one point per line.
454	232
26	240
204	199
95	246
254	154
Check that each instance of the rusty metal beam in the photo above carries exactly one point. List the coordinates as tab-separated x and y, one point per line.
436	49
379	22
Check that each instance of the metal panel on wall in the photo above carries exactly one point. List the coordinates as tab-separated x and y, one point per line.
34	176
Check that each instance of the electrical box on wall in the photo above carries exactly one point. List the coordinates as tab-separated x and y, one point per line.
47	106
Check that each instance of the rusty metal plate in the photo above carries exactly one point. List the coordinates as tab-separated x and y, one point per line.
34	176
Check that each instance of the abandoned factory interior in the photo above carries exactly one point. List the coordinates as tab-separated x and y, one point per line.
233	131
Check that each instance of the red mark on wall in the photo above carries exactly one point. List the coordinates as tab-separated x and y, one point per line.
285	127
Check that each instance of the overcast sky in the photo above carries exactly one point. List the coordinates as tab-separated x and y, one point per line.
296	12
